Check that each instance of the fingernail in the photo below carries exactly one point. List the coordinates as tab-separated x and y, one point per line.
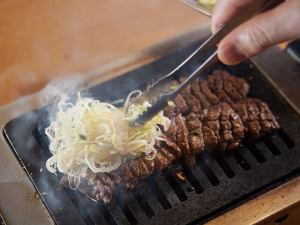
231	54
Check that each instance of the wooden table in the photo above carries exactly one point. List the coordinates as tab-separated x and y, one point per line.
42	40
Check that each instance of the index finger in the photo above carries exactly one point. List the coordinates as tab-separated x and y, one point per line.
225	10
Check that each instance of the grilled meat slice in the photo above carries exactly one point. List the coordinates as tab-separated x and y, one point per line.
196	91
97	186
222	126
167	154
193	122
218	127
191	101
161	162
194	126
139	169
181	104
226	87
128	176
150	163
219	87
256	116
196	142
210	96
172	131
182	135
171	111
172	147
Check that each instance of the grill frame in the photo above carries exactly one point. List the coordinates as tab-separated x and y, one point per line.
257	78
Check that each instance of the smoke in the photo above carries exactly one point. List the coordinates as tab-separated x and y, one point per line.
62	88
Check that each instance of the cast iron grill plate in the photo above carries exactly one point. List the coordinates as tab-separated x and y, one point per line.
222	180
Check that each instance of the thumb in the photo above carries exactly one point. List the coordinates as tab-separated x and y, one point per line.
261	32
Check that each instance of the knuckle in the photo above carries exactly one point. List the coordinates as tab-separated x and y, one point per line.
256	39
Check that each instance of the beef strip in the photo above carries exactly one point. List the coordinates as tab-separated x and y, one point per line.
219	127
207	124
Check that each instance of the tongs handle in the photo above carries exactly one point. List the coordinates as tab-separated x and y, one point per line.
211	43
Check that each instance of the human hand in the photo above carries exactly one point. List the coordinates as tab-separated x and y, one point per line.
262	31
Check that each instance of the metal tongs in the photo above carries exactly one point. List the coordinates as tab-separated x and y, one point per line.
156	89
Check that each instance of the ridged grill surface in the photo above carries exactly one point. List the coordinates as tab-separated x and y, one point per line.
221	180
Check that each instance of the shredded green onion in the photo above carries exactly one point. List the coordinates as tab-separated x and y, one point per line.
96	136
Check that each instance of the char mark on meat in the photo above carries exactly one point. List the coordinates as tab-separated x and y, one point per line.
218	87
97	186
181	104
226	87
210	96
256	116
196	90
182	135
191	101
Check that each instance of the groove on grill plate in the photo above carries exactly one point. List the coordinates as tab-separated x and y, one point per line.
223	164
207	171
241	160
286	139
254	151
146	191
143	203
76	200
129	214
167	189
135	207
175	186
117	213
161	197
191	178
270	145
93	211
106	214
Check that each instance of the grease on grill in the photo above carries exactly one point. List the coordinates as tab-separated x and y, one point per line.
180	176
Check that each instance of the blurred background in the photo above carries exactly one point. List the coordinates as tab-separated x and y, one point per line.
43	40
